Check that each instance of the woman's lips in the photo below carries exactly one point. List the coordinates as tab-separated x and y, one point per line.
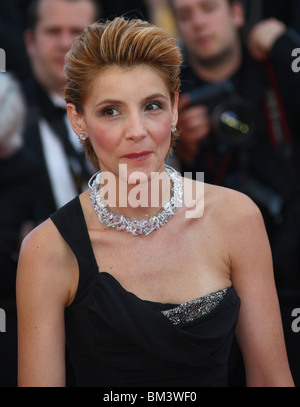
138	156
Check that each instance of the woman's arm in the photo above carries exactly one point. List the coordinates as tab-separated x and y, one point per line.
43	291
259	330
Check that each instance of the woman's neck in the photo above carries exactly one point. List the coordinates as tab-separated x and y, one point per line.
141	200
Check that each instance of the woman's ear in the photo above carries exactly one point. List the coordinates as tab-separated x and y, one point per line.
76	119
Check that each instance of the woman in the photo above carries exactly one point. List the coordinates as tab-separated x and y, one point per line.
154	302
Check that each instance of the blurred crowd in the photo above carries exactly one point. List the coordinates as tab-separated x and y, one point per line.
237	70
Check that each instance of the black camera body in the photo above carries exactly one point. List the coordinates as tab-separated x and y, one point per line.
233	119
235	126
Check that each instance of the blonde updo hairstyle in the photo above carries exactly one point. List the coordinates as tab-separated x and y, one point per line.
121	43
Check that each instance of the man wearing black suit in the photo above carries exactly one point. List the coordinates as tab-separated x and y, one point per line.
52	26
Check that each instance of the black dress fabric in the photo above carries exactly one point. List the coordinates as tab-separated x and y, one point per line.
116	339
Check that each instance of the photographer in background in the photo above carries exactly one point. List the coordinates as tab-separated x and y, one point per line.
239	123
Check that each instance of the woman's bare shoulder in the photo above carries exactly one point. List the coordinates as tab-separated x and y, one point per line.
230	205
44	239
223	203
47	261
237	220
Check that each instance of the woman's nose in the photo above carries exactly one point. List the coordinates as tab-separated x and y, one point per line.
136	127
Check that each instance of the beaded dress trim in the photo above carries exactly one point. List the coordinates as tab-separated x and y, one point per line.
194	309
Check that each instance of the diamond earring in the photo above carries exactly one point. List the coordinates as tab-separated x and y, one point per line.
82	137
173	128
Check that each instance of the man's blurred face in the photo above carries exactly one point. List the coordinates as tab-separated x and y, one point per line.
208	28
58	24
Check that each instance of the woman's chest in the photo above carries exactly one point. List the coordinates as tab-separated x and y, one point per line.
173	270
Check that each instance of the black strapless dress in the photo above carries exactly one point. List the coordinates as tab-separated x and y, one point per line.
115	339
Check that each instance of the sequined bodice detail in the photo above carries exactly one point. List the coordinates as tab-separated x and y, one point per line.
192	310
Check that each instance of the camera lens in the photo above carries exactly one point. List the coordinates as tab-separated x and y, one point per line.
234	122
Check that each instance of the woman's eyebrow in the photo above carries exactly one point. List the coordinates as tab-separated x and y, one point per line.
118	102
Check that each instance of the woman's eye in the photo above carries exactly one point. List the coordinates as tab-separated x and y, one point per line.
153	106
110	111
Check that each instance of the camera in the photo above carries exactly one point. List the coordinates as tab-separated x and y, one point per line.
235	123
233	119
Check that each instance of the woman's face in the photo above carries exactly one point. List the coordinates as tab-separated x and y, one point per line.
128	117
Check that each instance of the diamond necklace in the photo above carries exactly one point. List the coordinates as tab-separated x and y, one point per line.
136	227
